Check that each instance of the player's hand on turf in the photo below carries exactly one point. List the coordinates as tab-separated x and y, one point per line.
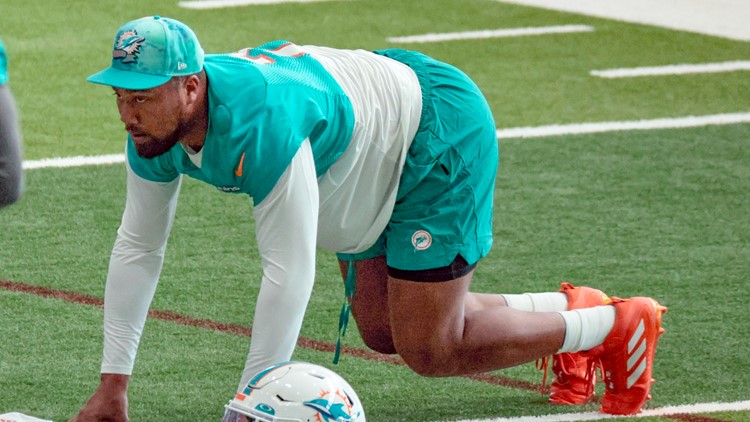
109	403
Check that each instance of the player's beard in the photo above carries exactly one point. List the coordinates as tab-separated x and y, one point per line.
157	146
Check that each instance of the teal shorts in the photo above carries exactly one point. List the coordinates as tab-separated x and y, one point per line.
444	203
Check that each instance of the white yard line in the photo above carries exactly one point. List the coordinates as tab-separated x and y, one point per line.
222	4
77	161
509	133
674	69
720	18
661	411
490	33
652	124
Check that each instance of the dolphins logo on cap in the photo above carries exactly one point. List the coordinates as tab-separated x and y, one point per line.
127	47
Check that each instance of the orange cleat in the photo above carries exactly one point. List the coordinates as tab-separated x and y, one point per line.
627	354
575	372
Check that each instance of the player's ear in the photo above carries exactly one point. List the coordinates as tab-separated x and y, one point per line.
193	86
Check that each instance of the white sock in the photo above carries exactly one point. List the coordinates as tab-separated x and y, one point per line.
587	328
538	302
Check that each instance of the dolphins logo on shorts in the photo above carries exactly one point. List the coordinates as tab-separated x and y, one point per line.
421	240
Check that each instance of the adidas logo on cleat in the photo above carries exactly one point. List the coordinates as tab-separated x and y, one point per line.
627	355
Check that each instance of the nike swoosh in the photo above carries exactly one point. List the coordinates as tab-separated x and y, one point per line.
238	172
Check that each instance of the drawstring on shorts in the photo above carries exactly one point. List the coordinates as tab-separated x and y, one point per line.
349	285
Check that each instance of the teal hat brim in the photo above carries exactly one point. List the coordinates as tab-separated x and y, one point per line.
127	79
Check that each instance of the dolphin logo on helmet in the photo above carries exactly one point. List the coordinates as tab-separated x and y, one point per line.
296	392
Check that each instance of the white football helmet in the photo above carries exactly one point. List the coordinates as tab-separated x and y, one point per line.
296	392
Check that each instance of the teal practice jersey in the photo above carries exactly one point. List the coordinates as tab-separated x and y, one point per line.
263	103
3	64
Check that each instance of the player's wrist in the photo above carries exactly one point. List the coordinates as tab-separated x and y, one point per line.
114	382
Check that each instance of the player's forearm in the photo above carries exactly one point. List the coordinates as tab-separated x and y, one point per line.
131	284
134	268
276	325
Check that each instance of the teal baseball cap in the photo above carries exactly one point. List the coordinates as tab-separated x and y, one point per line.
148	52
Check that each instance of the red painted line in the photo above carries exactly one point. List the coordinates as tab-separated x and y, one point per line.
243	331
47	292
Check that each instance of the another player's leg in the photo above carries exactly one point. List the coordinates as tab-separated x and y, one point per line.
11	172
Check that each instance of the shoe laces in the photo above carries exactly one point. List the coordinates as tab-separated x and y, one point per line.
542	365
591	366
561	368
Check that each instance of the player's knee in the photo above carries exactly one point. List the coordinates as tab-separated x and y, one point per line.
428	361
377	337
374	328
379	342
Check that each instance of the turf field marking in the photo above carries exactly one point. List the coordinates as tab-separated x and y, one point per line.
222	4
675	69
76	161
509	133
651	124
490	33
687	409
240	330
